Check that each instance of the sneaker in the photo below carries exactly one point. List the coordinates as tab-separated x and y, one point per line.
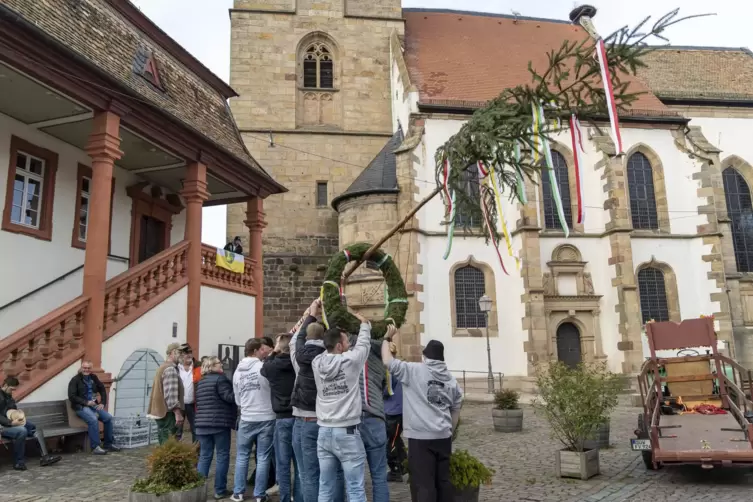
274	489
237	497
99	451
112	448
222	495
262	499
20	467
49	460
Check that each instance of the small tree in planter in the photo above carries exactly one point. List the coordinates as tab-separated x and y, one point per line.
172	476
575	402
506	414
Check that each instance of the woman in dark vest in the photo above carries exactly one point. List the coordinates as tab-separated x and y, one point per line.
215	416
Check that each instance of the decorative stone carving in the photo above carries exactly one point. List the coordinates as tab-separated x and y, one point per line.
588	285
548	284
566	253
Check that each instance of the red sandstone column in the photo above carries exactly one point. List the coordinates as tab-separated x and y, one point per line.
195	193
104	149
256	224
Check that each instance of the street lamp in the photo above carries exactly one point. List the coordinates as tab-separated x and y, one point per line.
485	305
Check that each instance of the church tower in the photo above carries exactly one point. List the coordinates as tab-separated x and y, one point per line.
314	110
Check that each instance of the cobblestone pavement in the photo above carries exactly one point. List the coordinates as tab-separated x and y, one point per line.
524	464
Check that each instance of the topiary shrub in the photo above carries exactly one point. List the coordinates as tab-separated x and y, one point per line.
506	399
466	471
172	468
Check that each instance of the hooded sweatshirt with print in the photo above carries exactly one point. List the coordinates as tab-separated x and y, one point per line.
252	392
338	395
430	395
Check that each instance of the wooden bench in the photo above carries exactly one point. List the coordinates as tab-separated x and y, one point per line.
56	419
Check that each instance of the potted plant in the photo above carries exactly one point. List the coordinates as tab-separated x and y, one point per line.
506	414
575	402
467	474
172	476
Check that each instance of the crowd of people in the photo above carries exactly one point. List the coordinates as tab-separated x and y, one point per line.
317	407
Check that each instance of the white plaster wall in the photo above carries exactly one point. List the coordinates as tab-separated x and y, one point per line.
44	261
153	331
402	104
731	135
226	318
596	253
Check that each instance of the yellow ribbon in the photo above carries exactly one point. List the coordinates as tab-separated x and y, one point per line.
535	139
321	297
502	215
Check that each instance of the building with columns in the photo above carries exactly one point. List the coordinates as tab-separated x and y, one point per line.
112	139
351	125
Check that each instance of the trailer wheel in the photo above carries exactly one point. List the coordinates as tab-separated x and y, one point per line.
648	461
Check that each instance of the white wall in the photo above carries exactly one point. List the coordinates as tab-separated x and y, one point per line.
226	318
44	261
731	135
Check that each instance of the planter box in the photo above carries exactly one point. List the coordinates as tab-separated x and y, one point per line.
573	464
194	495
600	438
468	495
134	432
507	420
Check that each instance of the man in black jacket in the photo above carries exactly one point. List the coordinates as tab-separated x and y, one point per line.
278	370
82	393
19	430
304	347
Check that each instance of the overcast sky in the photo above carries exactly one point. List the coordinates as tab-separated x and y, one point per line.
203	27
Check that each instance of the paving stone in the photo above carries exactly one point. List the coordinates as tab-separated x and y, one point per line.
524	464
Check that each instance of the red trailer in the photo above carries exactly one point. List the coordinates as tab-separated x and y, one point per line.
696	407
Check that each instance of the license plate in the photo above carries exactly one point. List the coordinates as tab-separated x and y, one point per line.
640	444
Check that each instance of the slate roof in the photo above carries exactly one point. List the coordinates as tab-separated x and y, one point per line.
379	177
699	73
97	31
470	57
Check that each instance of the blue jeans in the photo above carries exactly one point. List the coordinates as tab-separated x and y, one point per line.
374	435
284	455
305	439
18	435
341	446
263	433
208	443
92	418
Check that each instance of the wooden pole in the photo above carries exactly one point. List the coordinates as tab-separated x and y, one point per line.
392	232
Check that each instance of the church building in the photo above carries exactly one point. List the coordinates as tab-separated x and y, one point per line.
346	102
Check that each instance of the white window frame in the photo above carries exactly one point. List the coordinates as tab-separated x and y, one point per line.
28	175
84	195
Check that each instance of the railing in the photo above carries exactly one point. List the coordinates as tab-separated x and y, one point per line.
47	345
132	293
477	381
216	277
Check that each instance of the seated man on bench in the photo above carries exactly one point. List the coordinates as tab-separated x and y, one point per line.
18	429
82	390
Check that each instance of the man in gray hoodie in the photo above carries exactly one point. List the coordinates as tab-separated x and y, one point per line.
338	412
431	410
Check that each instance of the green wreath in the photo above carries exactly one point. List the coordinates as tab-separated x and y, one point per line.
336	314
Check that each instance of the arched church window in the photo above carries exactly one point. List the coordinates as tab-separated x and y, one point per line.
469	287
318	67
551	219
640	178
652	291
472	190
740	211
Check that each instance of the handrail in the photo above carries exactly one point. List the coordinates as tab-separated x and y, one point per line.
50	283
44	323
214	276
142	267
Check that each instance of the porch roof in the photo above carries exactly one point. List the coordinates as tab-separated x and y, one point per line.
118	40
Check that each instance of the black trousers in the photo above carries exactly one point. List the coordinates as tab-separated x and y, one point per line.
429	465
395	445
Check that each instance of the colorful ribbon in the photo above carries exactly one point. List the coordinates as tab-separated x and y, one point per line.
491	229
535	133
498	202
576	137
519	177
450	229
553	178
614	122
321	297
445	181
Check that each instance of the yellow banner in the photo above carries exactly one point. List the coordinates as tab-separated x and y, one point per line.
230	261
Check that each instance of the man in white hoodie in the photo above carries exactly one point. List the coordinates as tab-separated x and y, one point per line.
338	412
252	395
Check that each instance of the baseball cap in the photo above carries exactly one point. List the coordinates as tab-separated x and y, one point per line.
171	347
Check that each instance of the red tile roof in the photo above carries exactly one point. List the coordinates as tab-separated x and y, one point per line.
472	57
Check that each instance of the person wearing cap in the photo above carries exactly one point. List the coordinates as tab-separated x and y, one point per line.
186	370
166	403
431	410
235	246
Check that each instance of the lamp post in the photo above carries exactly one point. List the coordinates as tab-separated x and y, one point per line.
485	305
